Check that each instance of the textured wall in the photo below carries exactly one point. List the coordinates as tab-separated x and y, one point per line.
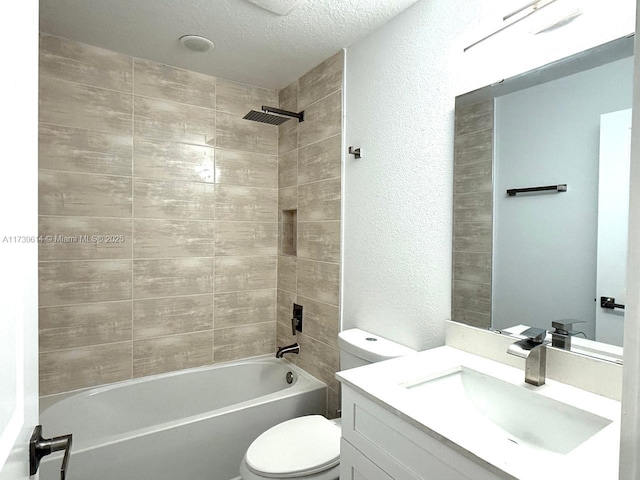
401	82
160	158
309	181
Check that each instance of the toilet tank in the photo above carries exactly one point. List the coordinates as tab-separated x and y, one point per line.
358	348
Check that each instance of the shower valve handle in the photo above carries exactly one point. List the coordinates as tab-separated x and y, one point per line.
40	447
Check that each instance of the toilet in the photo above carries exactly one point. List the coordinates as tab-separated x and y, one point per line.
308	448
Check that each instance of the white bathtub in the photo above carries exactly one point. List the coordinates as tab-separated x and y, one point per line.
190	425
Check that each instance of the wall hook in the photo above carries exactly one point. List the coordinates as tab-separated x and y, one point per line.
355	152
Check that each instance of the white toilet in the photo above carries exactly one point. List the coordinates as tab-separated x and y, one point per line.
308	448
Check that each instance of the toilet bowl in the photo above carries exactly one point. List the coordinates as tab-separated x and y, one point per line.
308	448
304	447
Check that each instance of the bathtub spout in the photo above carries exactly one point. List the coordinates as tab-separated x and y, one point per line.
295	348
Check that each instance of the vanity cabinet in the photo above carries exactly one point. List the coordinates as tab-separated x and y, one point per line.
379	445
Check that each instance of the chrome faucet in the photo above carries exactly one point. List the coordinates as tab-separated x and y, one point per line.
534	351
295	348
562	333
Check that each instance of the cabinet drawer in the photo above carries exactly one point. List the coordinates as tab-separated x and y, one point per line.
355	466
399	448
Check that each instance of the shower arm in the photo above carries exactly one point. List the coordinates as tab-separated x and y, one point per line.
286	113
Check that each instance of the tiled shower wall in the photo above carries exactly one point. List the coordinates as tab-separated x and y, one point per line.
158	161
309	183
473	214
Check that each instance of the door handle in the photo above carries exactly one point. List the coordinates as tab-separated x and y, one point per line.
41	447
610	303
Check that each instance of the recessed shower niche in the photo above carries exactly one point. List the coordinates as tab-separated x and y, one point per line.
289	232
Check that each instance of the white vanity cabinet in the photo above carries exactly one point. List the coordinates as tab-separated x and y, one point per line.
379	445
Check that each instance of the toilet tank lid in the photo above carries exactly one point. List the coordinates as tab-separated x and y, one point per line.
370	347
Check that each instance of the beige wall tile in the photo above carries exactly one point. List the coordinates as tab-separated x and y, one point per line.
287	136
321	80
172	277
284	338
73	105
320	360
473	177
287	273
288	198
472	296
170	316
233	274
76	326
66	370
175	122
177	200
172	161
77	194
474	147
285	307
473	207
168	354
68	60
234	133
238	99
288	97
320	321
319	201
320	161
475	319
322	120
244	341
474	117
319	281
78	150
319	241
472	267
157	80
472	237
288	169
105	238
234	167
242	308
66	283
246	204
172	238
241	239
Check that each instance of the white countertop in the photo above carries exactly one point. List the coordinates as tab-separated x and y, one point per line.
384	383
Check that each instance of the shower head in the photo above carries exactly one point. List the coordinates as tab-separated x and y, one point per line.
273	116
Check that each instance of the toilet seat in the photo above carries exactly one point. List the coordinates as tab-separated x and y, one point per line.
300	447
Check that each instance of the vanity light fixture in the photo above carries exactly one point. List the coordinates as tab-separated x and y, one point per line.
532	8
196	43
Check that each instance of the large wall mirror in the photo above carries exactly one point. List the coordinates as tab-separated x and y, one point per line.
541	190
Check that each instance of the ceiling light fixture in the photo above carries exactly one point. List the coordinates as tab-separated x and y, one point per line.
196	43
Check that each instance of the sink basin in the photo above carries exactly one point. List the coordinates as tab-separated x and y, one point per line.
478	404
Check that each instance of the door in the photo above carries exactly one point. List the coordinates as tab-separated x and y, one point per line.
613	216
18	229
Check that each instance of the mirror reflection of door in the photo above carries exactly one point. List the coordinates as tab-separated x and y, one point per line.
613	214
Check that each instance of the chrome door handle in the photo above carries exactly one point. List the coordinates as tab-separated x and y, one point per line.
41	447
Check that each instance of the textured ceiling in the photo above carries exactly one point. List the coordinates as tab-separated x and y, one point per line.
252	45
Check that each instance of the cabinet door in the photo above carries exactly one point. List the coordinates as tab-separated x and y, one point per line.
355	466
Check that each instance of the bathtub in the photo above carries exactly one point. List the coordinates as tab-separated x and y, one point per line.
190	425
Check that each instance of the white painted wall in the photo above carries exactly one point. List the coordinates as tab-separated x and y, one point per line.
544	255
401	82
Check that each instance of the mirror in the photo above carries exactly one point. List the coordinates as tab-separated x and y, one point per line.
553	249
